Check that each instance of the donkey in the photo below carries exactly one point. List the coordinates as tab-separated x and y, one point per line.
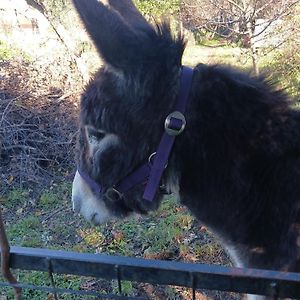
235	165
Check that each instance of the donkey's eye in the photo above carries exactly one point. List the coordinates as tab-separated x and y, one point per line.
95	135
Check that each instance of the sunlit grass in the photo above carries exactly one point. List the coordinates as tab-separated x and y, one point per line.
212	55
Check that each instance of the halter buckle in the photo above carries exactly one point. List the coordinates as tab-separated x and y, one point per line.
113	194
175	123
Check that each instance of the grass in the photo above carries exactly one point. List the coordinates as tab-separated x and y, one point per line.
46	220
16	197
8	52
5	51
49	200
27	232
42	279
224	55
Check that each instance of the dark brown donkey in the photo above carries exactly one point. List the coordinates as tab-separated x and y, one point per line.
236	164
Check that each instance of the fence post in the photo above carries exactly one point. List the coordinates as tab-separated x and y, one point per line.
50	273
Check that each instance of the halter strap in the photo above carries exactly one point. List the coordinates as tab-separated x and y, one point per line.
174	127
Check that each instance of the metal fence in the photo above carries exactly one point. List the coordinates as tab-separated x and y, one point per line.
191	275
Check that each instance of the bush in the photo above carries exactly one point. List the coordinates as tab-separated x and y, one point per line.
6	52
284	67
158	8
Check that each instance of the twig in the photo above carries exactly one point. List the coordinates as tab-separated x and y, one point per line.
54	213
38	127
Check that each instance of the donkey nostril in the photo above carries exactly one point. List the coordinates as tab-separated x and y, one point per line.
93	219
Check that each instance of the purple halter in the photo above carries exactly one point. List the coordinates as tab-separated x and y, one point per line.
151	172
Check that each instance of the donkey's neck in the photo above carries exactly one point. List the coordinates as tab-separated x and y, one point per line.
225	172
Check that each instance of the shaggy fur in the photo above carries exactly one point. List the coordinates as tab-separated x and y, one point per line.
237	164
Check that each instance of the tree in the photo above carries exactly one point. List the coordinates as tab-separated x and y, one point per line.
55	11
158	8
255	23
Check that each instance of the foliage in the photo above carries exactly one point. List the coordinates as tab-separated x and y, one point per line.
53	8
5	52
52	198
209	250
48	200
253	23
25	225
42	279
57	7
158	8
127	287
91	237
26	233
8	52
284	68
15	197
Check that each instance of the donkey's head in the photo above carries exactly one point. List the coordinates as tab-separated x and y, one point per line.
123	109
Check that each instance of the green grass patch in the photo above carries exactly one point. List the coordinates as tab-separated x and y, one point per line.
160	236
32	278
50	223
42	279
127	287
54	197
69	282
26	232
48	200
152	235
15	198
8	52
228	55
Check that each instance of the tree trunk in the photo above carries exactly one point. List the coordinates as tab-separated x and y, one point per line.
254	57
253	48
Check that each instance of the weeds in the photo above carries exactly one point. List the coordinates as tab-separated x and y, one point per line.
127	287
7	52
16	197
26	232
91	237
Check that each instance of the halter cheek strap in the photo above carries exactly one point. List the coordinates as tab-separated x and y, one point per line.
95	186
151	172
174	125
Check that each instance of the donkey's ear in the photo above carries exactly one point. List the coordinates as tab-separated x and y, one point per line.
118	43
129	13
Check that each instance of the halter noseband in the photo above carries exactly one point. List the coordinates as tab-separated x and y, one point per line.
151	172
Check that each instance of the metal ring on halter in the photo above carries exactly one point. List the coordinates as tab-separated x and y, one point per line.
110	192
150	159
178	116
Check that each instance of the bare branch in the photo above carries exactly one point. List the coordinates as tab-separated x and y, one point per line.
242	9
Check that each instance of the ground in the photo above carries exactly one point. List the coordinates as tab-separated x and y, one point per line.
170	233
